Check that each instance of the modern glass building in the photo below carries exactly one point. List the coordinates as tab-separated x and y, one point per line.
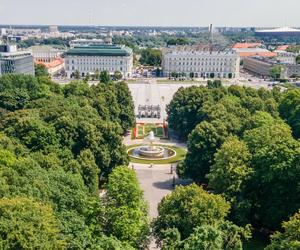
12	61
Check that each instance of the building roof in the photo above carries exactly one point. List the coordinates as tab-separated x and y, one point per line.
247	52
52	64
246	45
282	47
278	30
100	50
261	54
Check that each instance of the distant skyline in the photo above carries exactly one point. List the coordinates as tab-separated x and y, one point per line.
234	13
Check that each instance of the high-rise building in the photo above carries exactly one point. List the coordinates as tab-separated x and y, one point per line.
13	61
89	59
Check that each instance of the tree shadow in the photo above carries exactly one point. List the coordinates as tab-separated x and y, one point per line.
169	184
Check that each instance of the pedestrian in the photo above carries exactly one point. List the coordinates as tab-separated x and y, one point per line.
173	184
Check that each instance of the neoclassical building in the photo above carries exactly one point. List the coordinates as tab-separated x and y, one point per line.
89	59
201	63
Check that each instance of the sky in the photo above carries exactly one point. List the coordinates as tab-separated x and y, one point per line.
236	13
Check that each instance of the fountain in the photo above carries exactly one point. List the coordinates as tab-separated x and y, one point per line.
149	151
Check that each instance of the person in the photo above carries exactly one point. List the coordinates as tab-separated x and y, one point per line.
173	184
171	172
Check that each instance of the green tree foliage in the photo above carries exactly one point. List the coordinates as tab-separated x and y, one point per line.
191	218
40	70
151	57
104	77
214	84
178	41
55	147
25	224
77	74
126	210
118	75
273	189
275	72
289	238
289	109
231	168
18	90
203	143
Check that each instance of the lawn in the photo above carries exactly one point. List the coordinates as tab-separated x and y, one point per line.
180	155
143	130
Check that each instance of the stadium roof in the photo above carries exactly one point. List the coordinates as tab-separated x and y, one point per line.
279	30
100	50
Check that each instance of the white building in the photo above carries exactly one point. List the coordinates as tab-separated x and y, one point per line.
286	57
201	63
45	53
85	42
89	59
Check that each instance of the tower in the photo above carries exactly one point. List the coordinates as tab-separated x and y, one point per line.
211	39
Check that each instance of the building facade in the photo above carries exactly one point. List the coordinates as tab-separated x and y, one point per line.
201	63
85	42
90	59
262	66
12	61
45	53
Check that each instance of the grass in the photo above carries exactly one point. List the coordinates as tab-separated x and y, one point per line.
180	155
144	129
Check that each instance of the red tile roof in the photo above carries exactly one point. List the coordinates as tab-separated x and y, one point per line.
282	47
262	54
52	64
246	45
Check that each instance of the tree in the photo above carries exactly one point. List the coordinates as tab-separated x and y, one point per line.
298	59
272	189
203	143
126	209
214	84
104	77
97	75
231	168
289	107
191	218
275	72
290	238
77	74
188	207
26	224
40	70
184	111
151	57
118	75
125	102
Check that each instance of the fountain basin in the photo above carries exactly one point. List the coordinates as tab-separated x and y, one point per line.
156	153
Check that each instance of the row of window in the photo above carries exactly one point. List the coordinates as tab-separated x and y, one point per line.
95	60
94	69
199	63
202	69
200	59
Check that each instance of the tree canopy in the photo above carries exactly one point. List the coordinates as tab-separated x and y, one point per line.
58	145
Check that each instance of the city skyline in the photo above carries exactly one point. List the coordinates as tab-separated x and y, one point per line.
235	13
